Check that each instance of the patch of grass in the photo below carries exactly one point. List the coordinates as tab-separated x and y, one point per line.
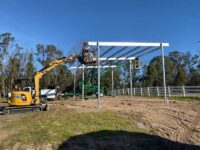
2	146
2	99
61	125
178	98
188	99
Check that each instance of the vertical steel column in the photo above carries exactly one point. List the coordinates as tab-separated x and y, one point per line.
99	80
112	83
83	80
163	68
75	84
131	82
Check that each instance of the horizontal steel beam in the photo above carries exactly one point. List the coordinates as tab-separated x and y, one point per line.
143	50
132	50
117	58
118	51
93	67
108	50
127	44
151	51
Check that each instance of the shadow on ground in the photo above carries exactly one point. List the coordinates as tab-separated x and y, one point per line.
122	140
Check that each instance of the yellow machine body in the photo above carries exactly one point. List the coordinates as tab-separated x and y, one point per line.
20	98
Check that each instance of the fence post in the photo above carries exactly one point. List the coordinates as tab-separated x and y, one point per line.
169	92
140	90
123	91
133	91
183	91
118	91
158	92
148	91
128	91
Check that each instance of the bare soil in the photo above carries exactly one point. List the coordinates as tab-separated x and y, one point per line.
177	121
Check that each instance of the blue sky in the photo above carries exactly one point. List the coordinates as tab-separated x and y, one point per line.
67	22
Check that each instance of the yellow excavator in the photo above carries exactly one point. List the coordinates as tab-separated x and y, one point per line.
22	100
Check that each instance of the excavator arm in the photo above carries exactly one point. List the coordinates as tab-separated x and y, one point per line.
48	68
86	58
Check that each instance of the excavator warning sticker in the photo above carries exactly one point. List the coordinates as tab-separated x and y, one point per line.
17	96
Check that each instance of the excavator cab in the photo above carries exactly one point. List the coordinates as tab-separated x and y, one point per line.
23	84
22	93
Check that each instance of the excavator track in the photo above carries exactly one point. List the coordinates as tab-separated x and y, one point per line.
22	109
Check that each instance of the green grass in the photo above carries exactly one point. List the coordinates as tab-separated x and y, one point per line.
2	146
177	98
188	99
52	127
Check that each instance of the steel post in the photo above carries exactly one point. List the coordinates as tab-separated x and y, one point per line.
163	68
99	82
131	82
83	79
74	84
112	83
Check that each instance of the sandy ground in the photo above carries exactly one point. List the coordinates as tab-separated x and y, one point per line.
177	121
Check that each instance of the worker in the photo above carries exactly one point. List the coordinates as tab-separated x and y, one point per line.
17	88
88	56
85	51
58	92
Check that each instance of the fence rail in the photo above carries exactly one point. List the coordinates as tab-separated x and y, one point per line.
159	91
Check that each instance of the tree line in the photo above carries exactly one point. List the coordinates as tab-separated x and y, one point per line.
181	69
17	62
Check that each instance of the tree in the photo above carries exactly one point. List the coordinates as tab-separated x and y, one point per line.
180	78
14	68
191	62
194	79
106	79
60	76
30	68
153	75
5	41
64	79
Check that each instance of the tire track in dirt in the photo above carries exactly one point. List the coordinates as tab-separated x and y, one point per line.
175	121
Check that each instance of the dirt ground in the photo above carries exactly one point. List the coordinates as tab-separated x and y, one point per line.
176	120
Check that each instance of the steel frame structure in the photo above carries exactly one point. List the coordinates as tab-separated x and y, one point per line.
83	76
116	51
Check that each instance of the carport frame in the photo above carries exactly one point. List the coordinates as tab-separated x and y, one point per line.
140	53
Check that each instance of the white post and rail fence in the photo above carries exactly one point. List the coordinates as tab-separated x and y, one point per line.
183	91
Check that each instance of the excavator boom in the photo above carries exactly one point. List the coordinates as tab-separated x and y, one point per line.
53	64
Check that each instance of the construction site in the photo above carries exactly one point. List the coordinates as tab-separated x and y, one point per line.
99	75
98	120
